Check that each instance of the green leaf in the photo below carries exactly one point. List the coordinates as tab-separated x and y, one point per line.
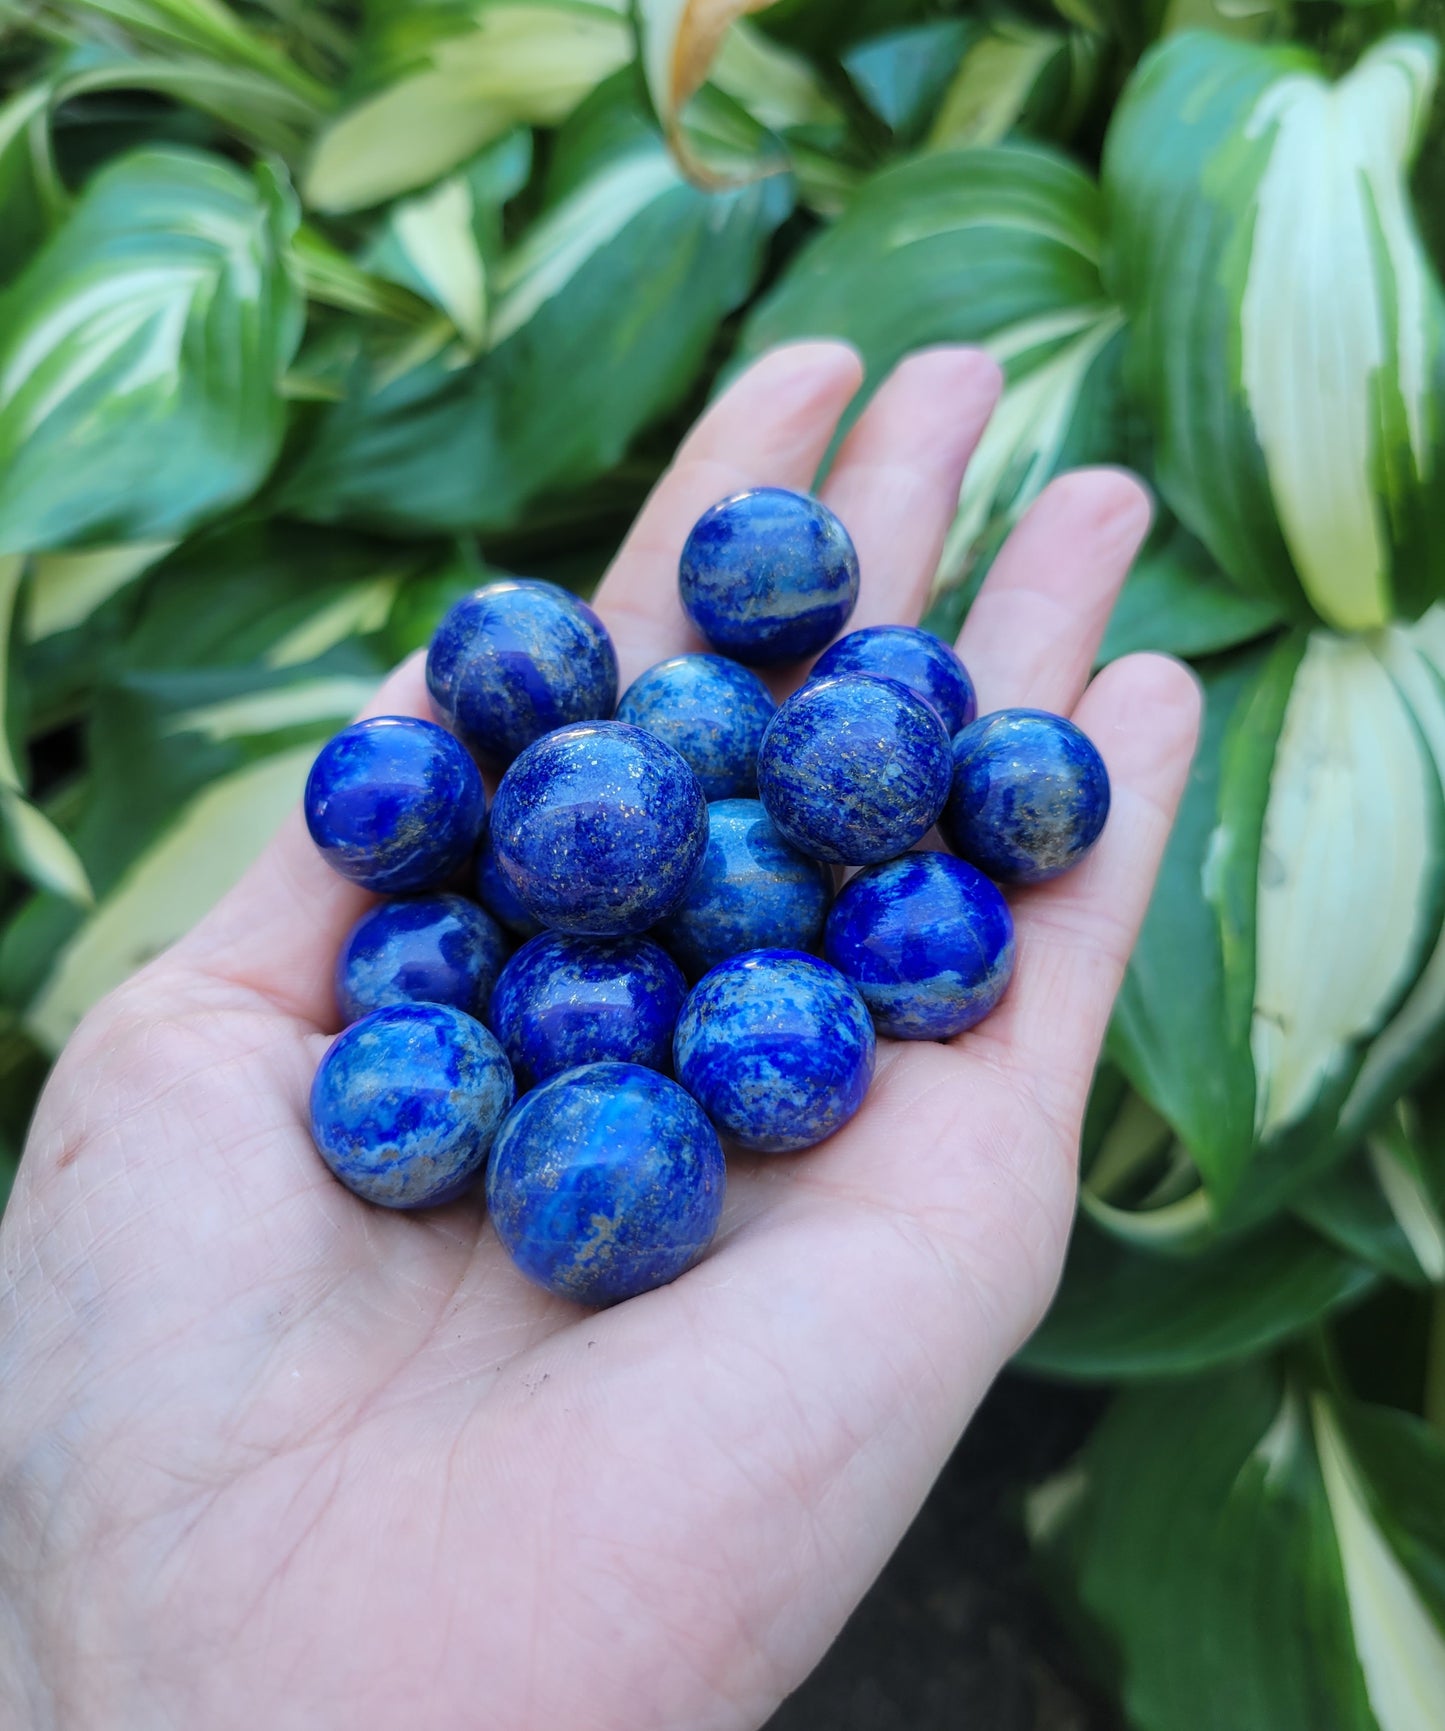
141	354
1125	1315
902	75
1264	1557
602	317
506	63
429	243
30	194
1288	333
994	82
998	247
67	588
1187	1050
1176	602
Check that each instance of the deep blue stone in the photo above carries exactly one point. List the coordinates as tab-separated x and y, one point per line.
598	829
425	950
768	575
915	658
606	1182
1030	795
927	940
406	1103
562	1002
395	804
512	661
711	711
495	894
854	769
777	1047
752	892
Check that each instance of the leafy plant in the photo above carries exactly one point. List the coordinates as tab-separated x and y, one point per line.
315	316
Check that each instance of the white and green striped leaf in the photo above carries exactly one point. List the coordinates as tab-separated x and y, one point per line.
1263	1555
429	244
513	62
995	79
141	354
601	315
1287	327
999	247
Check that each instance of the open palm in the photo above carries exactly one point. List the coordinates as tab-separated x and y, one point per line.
272	1458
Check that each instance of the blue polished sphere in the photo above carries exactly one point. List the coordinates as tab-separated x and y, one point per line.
709	710
424	950
598	829
1029	798
752	892
768	575
606	1182
395	804
496	896
927	940
915	658
406	1103
562	1002
854	769
512	661
777	1047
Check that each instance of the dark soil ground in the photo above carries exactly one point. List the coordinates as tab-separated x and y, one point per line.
957	1634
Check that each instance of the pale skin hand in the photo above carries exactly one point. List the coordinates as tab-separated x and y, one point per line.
272	1458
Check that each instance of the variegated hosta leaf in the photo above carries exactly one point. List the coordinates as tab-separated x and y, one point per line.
601	315
168	888
998	247
30	192
1305	1533
66	588
1288	330
429	244
31	842
993	84
1349	884
141	353
514	62
680	41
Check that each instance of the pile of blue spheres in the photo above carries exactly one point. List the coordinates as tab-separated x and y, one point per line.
645	948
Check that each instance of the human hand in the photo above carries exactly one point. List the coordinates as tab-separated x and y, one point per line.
272	1458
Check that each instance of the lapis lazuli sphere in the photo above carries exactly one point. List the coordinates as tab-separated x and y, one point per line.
854	769
406	1103
1029	798
562	1002
598	829
768	575
711	711
927	940
753	891
496	895
778	1049
915	658
423	950
512	661
606	1182
395	804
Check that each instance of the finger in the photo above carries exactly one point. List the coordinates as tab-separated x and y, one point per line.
1075	935
279	930
896	479
772	427
1032	635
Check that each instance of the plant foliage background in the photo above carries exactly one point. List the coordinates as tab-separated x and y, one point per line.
312	315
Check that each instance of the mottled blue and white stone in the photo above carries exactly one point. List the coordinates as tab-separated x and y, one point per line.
395	804
927	940
915	658
406	1103
854	769
598	828
495	894
606	1182
768	575
711	711
1029	797
424	950
753	891
777	1047
562	1002
512	661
